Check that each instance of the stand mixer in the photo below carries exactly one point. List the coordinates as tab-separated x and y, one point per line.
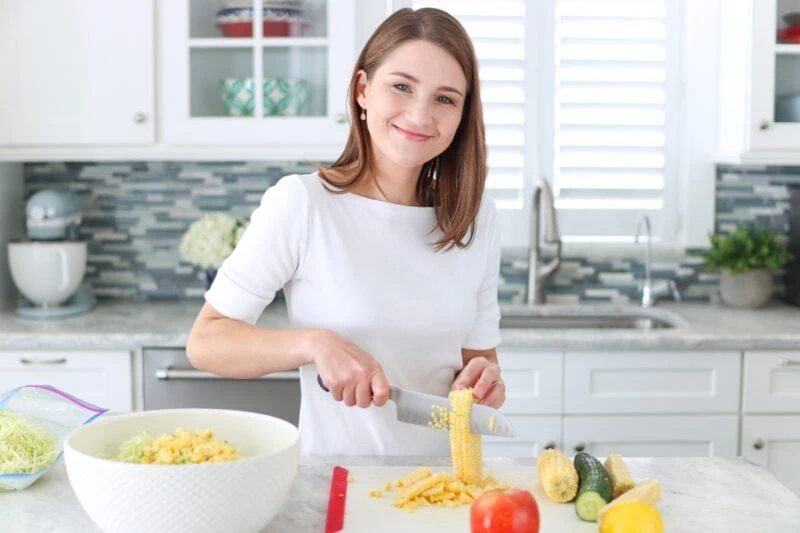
49	266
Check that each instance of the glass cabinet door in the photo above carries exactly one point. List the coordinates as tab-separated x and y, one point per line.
276	49
260	73
787	62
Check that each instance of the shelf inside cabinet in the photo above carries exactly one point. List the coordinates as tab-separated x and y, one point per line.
267	42
787	49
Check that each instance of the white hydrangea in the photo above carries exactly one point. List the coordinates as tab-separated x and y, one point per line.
211	239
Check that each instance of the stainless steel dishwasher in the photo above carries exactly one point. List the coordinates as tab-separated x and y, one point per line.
171	382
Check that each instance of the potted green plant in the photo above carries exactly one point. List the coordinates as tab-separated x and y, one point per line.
746	258
210	240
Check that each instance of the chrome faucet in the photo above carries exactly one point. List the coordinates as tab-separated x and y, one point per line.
650	290
539	273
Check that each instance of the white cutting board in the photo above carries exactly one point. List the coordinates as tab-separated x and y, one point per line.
364	513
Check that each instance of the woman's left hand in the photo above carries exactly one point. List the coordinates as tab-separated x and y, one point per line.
484	377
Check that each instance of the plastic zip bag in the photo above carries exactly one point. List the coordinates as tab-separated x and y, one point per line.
55	411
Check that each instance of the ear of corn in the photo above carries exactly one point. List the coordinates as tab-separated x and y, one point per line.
465	447
647	491
621	480
558	476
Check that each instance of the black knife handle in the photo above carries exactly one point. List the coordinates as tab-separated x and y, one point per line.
321	384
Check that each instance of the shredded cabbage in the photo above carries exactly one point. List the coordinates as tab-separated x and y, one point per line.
25	447
132	450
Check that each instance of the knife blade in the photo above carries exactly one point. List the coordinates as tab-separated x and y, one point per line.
417	408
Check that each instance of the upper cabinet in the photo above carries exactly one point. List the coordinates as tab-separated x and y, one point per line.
76	73
760	80
252	72
177	79
775	100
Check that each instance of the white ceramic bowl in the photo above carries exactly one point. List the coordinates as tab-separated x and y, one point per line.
47	272
230	497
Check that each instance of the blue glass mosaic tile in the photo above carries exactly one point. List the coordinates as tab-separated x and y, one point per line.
135	214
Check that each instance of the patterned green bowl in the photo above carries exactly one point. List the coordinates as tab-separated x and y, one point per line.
283	97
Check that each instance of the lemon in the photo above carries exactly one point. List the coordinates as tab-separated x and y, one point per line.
632	517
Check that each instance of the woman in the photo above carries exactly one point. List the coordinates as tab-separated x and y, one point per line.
389	258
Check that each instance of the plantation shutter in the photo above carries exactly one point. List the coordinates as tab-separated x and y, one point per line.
497	30
613	78
600	120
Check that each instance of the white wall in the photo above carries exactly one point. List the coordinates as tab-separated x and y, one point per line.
12	224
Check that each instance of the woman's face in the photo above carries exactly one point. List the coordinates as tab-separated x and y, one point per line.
413	103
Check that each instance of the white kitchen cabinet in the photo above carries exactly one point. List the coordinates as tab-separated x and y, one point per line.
773	442
101	377
304	77
533	388
533	434
651	382
759	69
652	436
76	73
771	382
533	381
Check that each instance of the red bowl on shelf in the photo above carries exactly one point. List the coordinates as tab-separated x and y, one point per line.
285	28
271	28
790	35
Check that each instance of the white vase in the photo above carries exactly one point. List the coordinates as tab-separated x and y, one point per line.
747	290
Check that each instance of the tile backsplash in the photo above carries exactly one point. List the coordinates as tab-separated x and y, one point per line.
136	213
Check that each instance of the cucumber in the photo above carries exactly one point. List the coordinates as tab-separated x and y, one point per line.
594	488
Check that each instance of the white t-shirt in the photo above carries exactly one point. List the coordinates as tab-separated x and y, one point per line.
365	269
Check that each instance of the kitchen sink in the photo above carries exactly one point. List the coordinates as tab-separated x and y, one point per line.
604	317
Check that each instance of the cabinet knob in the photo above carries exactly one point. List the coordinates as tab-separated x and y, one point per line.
139	118
579	447
758	444
550	445
340	118
763	125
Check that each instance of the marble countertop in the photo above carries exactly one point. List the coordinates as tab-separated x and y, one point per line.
130	325
700	495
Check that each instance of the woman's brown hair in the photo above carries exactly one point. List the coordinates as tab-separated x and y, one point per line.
453	182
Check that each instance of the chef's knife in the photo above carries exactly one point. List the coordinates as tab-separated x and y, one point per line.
417	408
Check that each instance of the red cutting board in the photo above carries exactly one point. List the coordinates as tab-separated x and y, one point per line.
364	513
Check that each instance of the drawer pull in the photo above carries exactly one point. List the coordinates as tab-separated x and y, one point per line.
579	447
758	444
59	361
164	374
550	445
786	361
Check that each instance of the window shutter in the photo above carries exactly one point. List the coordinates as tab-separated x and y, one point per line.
613	81
601	116
497	30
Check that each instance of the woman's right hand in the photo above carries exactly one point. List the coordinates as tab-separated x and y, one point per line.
351	374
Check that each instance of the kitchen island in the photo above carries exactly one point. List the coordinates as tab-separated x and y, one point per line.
700	495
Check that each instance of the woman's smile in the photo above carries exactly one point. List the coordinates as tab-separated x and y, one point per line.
411	135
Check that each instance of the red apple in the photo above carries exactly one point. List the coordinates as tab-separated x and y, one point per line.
505	511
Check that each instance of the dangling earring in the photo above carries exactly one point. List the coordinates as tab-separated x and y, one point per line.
363	114
434	175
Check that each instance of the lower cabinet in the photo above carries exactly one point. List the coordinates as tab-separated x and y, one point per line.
533	403
101	377
773	442
652	435
533	434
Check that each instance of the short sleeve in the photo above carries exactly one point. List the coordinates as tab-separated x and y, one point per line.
267	255
486	332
